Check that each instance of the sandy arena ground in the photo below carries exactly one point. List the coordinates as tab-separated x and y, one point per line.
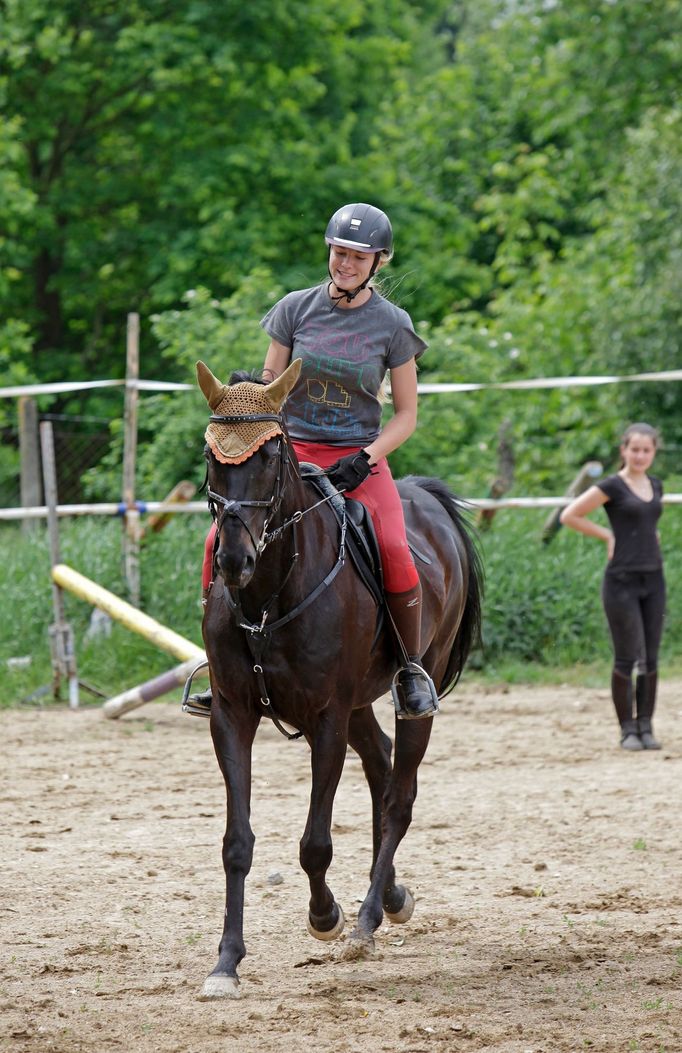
545	862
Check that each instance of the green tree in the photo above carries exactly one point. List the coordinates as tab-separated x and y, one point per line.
163	145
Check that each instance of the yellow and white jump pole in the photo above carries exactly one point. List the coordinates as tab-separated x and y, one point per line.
163	638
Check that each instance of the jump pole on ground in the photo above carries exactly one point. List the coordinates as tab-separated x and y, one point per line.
137	696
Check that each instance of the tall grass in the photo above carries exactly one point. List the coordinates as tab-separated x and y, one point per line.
543	607
542	610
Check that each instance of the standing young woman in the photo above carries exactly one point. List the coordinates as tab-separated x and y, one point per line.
633	589
348	336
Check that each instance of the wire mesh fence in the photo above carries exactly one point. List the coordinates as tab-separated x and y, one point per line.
79	442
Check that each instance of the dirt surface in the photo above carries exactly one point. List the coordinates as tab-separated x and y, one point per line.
544	860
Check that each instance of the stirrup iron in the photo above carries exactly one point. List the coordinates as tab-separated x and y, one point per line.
186	704
401	710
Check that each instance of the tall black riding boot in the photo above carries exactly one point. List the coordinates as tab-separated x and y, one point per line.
645	693
202	699
621	692
415	695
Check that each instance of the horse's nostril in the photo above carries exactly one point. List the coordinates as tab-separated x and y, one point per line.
247	571
236	566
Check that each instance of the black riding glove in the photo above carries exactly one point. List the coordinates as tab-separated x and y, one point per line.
349	471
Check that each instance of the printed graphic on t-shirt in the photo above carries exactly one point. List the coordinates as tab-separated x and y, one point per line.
338	370
328	392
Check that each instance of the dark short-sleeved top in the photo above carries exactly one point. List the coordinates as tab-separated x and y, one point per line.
633	522
345	354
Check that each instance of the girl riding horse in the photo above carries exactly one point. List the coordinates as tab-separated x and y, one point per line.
347	336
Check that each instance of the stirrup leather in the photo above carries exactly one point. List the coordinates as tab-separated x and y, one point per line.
187	705
402	712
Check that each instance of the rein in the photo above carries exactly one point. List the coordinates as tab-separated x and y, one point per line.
258	634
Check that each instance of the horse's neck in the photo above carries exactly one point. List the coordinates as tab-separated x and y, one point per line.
314	538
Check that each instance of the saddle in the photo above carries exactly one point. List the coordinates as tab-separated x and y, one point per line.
361	539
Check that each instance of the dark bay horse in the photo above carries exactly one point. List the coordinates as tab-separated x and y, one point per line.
292	632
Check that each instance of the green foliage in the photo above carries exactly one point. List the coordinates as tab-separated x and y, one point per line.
151	148
15	350
529	156
542	601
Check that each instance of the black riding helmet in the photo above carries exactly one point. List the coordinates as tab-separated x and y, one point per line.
364	228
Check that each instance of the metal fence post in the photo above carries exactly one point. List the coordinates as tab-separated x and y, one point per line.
61	635
131	534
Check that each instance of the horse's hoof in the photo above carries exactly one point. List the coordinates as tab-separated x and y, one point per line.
359	945
329	934
405	912
220	986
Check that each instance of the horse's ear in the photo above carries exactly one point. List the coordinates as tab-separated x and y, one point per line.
278	390
210	385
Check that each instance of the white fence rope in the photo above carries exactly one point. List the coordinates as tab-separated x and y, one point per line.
148	507
424	389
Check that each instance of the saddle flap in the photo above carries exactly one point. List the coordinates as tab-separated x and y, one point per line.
361	538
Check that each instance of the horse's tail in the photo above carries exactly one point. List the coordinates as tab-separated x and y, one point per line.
469	631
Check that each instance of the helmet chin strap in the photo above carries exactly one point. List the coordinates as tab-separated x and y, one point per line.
350	296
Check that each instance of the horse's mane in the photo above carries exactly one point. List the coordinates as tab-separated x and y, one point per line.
245	376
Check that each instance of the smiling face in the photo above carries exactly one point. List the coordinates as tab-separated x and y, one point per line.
349	267
638	452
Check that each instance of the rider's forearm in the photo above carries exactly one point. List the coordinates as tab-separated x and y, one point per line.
395	432
586	526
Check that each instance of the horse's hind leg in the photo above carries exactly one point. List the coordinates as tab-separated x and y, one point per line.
373	747
328	753
412	738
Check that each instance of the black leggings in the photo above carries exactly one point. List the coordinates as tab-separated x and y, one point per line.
634	602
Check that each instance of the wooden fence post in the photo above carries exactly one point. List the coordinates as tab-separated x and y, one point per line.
131	533
505	475
31	489
62	647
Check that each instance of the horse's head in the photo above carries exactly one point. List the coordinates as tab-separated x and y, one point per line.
247	454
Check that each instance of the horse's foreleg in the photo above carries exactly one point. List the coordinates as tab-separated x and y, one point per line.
328	752
233	735
412	738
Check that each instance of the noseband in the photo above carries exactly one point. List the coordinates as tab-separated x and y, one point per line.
234	508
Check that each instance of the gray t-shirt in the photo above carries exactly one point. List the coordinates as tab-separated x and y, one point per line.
345	354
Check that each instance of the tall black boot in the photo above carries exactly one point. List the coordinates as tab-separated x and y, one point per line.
202	699
645	693
415	695
621	692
